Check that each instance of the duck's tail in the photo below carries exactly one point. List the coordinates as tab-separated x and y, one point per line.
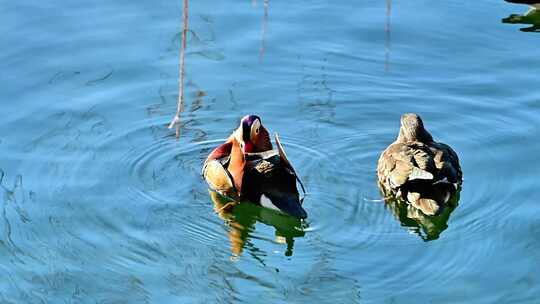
430	198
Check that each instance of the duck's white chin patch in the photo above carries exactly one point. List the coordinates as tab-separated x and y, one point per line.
267	203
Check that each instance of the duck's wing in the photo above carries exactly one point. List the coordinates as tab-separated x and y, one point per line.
226	177
220	152
447	163
218	178
273	185
286	162
215	170
402	162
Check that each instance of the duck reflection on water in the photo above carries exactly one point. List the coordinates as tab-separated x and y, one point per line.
532	16
243	217
427	227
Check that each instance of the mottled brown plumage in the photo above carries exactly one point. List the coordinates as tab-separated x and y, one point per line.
417	169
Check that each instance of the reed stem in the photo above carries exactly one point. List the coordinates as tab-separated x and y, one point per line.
180	106
387	30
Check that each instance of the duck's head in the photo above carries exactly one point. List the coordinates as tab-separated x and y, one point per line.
412	129
252	135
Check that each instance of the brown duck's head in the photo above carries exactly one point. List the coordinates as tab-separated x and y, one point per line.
252	135
412	129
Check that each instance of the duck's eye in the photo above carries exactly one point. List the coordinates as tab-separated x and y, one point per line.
242	145
257	131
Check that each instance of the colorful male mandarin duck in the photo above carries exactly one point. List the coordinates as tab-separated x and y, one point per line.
246	167
419	170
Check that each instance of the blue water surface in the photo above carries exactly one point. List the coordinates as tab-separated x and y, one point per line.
101	204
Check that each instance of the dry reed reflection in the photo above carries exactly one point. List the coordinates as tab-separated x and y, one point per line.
263	32
388	35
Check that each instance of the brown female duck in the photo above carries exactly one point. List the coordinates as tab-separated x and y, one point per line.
246	167
417	169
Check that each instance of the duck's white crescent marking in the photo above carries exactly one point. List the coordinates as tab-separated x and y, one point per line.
267	203
419	174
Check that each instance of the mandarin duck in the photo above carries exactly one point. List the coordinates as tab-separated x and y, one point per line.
246	167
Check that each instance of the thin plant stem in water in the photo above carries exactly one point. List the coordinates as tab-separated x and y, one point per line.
180	106
387	35
263	33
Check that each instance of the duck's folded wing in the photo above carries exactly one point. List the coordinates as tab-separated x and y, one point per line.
215	172
446	160
400	163
285	160
218	178
282	154
220	152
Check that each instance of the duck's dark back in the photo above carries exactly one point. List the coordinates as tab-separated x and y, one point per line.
268	175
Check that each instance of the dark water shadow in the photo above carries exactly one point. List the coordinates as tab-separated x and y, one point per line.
242	218
427	227
531	17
